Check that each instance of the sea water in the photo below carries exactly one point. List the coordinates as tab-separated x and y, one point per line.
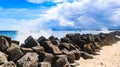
21	36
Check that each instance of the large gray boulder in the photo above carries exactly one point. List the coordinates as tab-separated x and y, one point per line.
7	38
50	48
30	42
60	61
46	57
30	59
4	44
38	49
25	50
14	52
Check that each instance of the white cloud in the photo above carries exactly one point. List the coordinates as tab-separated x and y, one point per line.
115	17
41	1
36	1
79	13
59	1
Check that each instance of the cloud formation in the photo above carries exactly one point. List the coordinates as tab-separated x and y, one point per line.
83	14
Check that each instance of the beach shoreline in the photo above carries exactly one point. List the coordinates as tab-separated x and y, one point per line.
109	57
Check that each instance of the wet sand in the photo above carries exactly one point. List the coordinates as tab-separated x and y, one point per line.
109	57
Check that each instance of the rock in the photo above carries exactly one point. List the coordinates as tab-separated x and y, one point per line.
64	45
15	41
30	59
65	39
77	54
14	45
70	57
26	50
55	42
52	38
74	64
86	56
90	38
70	35
9	64
68	46
81	44
97	46
41	39
60	61
38	49
14	53
22	45
88	49
50	48
44	64
7	38
97	39
31	42
46	57
3	58
4	44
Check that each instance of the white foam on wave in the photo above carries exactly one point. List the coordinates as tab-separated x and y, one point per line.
23	34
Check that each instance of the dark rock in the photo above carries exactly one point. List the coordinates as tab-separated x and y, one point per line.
90	38
7	38
77	54
86	55
3	58
55	42
14	45
38	49
97	46
97	39
64	45
41	39
52	38
30	59
47	57
65	39
15	41
67	65
70	35
3	44
26	50
70	57
60	61
68	46
44	64
14	53
81	44
31	42
50	48
9	64
22	45
88	49
74	64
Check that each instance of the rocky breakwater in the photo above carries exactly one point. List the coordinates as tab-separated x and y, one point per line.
53	52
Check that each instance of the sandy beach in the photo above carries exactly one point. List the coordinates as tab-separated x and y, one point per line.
109	57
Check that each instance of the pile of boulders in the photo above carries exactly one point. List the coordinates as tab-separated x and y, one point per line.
53	52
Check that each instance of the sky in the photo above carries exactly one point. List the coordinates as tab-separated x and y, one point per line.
59	14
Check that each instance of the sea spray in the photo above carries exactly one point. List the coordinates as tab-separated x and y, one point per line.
22	34
104	30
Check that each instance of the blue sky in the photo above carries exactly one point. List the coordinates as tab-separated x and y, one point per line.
59	14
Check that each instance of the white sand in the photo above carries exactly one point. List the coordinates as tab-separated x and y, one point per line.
109	57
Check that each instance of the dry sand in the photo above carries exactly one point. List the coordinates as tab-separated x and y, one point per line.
109	57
